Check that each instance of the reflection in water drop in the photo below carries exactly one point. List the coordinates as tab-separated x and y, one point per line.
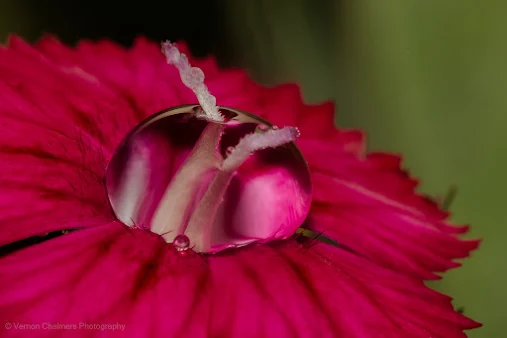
181	242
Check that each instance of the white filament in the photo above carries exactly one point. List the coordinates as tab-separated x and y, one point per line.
257	141
193	78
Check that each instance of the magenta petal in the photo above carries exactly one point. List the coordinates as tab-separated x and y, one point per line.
54	148
370	206
271	291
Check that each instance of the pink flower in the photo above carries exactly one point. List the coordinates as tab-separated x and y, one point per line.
64	111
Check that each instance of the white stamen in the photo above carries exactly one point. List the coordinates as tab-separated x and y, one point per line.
256	141
193	78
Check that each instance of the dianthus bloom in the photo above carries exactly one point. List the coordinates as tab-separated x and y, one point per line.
63	114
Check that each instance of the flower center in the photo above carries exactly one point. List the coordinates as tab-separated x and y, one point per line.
214	184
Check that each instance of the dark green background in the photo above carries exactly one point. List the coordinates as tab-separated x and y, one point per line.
425	78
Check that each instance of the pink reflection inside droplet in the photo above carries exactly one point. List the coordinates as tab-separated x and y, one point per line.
267	198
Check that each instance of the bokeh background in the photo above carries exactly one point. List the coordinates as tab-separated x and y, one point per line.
424	78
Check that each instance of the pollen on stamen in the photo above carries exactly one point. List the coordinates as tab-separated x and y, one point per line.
193	78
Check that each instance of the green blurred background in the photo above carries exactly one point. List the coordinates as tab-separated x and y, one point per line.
424	78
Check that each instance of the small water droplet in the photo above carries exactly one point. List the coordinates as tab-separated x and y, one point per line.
181	243
229	150
275	127
262	127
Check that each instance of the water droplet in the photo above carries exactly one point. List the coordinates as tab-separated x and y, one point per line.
275	127
146	157
181	243
262	127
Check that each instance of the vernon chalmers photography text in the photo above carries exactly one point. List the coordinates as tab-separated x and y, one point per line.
65	326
